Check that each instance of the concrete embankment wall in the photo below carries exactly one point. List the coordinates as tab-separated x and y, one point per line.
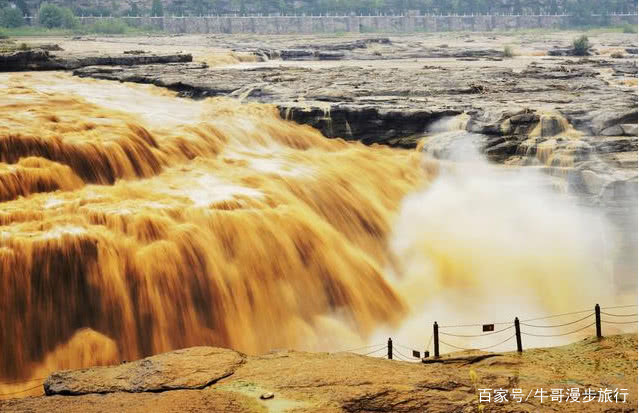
357	24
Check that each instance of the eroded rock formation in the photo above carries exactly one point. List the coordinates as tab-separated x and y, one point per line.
40	59
210	379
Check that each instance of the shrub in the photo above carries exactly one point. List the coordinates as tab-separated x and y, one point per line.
11	17
629	28
109	26
581	45
508	51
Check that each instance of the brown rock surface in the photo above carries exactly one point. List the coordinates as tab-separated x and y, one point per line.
42	59
192	368
344	382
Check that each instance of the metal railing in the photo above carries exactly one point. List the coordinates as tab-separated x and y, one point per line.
391	350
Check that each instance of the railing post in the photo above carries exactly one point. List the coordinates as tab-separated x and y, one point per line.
436	339
598	320
518	335
390	348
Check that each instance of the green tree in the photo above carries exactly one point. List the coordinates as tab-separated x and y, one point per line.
68	18
156	9
581	11
178	7
517	8
11	17
200	7
483	6
22	6
135	11
50	15
239	5
468	6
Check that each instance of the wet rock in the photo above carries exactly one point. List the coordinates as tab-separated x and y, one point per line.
502	151
192	368
50	47
330	55
617	144
629	130
43	60
366	123
551	126
394	104
306	54
560	52
357	44
628	68
519	124
296	54
594	183
558	72
465	53
26	60
615	130
606	119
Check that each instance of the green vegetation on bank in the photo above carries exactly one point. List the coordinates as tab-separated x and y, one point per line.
578	8
52	16
629	28
508	51
11	17
115	26
60	21
53	19
581	45
581	9
590	30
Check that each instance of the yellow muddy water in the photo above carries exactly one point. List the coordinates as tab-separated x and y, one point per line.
134	222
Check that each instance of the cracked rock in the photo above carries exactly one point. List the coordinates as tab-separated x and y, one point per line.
192	368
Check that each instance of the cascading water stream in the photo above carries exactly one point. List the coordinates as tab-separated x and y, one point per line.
133	222
216	224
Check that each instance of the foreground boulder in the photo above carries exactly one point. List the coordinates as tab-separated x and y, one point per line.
205	379
192	368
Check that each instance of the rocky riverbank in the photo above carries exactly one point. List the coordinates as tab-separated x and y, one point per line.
576	117
47	56
37	59
212	379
